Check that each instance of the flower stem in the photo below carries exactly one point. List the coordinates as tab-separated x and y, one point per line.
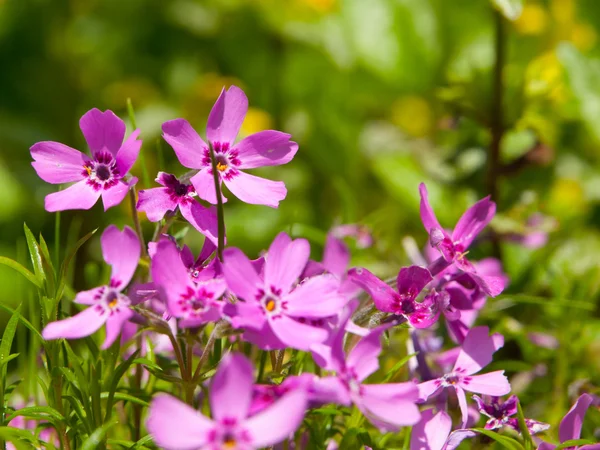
145	175
207	349
136	220
220	215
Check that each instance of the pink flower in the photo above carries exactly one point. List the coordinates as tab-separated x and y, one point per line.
108	304
265	148
276	313
475	353
175	426
388	406
453	247
156	202
102	175
433	432
194	301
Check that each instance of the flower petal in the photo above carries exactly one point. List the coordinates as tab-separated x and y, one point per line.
286	259
186	143
115	194
265	148
115	323
364	357
80	325
431	432
428	389
155	203
240	275
57	163
316	297
103	131
411	280
231	388
428	218
78	196
476	351
570	426
278	421
336	256
168	272
493	383
128	153
202	219
204	184
387	414
382	294
121	250
226	116
90	297
295	334
256	190
473	221
175	426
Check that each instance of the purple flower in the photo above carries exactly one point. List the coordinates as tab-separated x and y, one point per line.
175	426
453	247
108	304
411	281
433	432
275	313
265	148
475	353
156	202
194	301
102	175
388	406
570	426
500	414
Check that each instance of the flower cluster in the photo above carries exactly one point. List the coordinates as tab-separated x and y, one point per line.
282	301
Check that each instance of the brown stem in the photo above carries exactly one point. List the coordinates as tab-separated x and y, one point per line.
279	360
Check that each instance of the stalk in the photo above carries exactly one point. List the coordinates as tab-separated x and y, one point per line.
220	215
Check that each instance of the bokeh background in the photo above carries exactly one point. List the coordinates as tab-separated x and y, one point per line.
380	95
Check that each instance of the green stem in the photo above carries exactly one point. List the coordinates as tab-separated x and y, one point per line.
57	238
207	349
141	156
220	215
136	220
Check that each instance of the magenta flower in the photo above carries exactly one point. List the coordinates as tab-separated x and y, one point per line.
570	426
279	313
388	406
265	148
156	202
102	175
194	301
475	353
453	247
175	426
411	281
433	432
108	304
501	414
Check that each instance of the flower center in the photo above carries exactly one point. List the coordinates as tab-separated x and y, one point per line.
270	304
229	442
102	172
221	167
112	299
181	189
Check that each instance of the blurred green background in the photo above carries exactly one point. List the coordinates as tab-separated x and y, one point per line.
379	94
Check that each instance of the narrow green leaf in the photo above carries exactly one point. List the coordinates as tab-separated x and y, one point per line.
124	397
16	435
146	362
79	411
573	443
8	359
397	367
62	276
9	335
119	372
504	441
47	264
127	444
96	438
529	444
35	253
26	322
141	442
38	413
22	270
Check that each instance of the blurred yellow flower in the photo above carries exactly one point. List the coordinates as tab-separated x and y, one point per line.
567	198
413	115
256	120
544	78
533	20
322	6
583	36
563	11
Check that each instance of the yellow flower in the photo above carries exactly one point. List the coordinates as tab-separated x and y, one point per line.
413	115
533	20
256	120
583	36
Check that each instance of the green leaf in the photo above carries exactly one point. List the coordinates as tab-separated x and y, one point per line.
96	438
8	359
38	413
351	440
146	362
47	262
127	444
504	441
9	335
141	442
14	436
573	443
529	444
397	367
62	276
35	253
22	270
511	9
124	397
119	372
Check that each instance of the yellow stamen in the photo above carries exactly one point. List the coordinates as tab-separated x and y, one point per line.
88	170
221	167
229	443
113	303
270	305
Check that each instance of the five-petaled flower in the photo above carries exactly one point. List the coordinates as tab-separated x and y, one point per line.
265	148
108	304
101	175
